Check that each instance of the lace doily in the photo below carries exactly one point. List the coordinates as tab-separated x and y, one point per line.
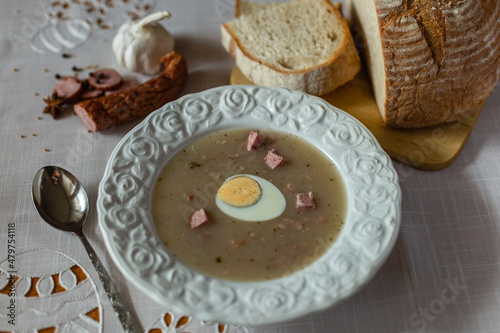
53	288
54	293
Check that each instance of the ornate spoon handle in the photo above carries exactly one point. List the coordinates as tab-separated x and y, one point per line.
128	321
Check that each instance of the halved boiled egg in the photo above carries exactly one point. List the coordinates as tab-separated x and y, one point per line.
250	198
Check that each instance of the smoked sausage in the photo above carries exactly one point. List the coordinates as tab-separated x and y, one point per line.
107	111
68	88
105	79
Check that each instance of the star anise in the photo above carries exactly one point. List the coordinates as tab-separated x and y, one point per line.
54	105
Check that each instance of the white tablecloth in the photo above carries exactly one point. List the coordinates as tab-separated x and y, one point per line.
442	276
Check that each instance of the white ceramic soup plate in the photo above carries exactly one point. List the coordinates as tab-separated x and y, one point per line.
369	233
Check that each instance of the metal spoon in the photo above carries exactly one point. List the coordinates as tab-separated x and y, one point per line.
62	202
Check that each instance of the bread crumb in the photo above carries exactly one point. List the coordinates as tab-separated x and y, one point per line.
15	69
36	94
22	136
46	149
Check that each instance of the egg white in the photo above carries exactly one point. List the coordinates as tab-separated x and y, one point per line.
270	205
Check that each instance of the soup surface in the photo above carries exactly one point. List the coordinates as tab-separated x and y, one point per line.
235	249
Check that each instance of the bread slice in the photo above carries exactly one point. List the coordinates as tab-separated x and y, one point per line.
303	45
243	7
430	62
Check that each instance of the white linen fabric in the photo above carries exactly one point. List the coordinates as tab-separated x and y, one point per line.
442	275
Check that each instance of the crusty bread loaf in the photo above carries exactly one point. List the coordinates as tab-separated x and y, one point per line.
302	44
430	62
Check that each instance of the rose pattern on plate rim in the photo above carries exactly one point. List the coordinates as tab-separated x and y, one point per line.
369	233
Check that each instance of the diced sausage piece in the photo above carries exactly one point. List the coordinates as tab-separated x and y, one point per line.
255	140
125	85
199	218
105	79
305	202
273	160
68	88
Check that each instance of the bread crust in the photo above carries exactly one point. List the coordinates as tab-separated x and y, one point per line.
441	58
340	68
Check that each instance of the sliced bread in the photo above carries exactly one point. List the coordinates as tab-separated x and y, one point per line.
243	7
303	45
430	62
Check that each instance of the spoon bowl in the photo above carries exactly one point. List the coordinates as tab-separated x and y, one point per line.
62	202
60	198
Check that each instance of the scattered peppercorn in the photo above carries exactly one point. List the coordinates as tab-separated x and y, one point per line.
133	15
86	84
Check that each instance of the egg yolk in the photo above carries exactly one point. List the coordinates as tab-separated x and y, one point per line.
240	192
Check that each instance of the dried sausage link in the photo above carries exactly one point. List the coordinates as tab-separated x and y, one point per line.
68	88
111	110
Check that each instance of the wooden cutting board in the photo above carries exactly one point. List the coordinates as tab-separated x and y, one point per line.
432	148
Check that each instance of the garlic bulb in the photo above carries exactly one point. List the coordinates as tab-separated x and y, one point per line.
139	46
